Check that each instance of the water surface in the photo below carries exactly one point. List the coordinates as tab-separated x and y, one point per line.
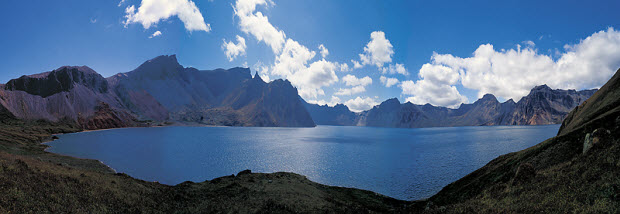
402	163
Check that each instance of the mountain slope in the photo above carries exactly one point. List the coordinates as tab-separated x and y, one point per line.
74	93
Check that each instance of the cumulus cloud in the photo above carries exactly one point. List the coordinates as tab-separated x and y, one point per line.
511	74
233	50
424	91
360	104
294	64
395	69
324	51
351	80
358	85
388	81
356	64
151	12
255	23
350	91
344	67
378	51
121	3
156	34
293	61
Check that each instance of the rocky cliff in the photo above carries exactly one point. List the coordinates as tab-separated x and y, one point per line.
67	93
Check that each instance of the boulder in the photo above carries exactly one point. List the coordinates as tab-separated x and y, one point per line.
525	172
596	137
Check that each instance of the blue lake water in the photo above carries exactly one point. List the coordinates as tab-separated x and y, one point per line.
402	163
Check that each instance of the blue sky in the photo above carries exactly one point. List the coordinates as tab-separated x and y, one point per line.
565	44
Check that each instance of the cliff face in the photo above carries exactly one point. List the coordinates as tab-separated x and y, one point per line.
72	93
542	106
546	106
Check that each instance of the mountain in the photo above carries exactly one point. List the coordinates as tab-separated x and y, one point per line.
158	90
72	93
163	89
338	115
577	171
544	105
541	106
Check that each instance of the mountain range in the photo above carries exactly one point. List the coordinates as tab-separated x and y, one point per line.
541	106
161	90
158	90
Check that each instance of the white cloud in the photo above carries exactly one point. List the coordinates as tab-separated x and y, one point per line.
324	51
378	51
513	73
361	104
233	50
395	69
121	3
156	34
351	80
358	85
388	82
294	64
334	100
151	12
425	91
356	64
293	60
350	91
255	23
93	20
344	67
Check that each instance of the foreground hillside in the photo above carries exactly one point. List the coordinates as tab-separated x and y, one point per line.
576	172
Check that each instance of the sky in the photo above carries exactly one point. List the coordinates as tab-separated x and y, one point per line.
358	53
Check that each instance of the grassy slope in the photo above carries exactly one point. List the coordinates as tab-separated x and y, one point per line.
32	180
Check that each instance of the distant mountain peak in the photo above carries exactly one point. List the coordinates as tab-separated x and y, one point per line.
543	87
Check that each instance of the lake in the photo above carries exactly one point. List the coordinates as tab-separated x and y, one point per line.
402	163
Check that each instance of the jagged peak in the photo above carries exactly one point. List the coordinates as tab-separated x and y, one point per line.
167	61
83	69
486	98
510	101
543	87
390	102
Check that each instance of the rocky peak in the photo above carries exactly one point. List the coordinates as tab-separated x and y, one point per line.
541	88
487	98
62	79
160	66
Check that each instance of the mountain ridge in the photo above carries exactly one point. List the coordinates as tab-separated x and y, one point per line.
541	106
158	90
